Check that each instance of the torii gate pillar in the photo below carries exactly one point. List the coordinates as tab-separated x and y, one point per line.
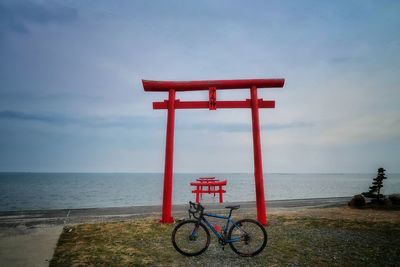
169	161
258	170
212	86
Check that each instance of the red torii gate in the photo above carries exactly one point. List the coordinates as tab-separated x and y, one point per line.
212	86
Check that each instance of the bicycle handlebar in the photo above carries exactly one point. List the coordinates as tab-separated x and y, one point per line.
196	208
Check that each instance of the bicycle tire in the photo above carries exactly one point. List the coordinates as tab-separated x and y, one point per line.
185	243
253	237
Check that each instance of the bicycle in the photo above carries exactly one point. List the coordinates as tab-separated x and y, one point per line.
191	237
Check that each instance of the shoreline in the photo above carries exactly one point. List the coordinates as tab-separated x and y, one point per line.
30	218
327	236
29	238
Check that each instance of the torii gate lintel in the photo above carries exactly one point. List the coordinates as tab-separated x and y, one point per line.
212	86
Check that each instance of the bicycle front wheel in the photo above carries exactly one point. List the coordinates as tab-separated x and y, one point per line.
248	237
190	238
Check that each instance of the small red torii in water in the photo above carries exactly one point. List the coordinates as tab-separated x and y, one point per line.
208	186
254	103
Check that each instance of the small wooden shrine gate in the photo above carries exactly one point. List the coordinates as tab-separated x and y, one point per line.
209	186
254	103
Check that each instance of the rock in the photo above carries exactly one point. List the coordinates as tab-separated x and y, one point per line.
395	199
358	201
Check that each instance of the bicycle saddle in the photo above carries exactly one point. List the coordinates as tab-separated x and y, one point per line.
235	207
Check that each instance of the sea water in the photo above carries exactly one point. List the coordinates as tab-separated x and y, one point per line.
31	191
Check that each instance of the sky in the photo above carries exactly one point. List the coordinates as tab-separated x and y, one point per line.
71	98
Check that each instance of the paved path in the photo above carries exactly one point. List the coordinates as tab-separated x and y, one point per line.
28	238
23	246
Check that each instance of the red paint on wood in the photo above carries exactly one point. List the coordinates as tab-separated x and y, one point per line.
206	179
258	170
219	104
169	158
209	187
212	96
165	86
212	85
206	183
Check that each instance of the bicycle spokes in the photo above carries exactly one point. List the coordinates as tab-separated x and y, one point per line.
246	237
190	238
250	238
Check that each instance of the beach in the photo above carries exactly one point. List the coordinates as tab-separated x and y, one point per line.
29	237
71	216
114	116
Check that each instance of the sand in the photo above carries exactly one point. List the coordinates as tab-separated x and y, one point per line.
28	238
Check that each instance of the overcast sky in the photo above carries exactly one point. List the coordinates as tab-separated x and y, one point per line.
71	97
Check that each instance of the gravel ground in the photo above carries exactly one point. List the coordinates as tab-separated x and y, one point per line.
311	237
28	238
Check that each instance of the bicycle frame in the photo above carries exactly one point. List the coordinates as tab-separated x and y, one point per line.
229	221
198	231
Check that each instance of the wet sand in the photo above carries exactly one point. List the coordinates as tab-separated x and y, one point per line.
71	216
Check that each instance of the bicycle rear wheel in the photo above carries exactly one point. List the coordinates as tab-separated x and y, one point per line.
250	236
190	238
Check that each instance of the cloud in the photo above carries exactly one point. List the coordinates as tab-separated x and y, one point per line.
372	128
75	82
145	122
17	16
100	121
279	126
242	127
21	116
344	60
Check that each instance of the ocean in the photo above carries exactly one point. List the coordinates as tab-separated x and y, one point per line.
35	191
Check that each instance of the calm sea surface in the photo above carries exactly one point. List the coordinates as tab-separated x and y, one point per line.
27	191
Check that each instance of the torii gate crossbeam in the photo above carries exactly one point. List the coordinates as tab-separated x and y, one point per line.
212	86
